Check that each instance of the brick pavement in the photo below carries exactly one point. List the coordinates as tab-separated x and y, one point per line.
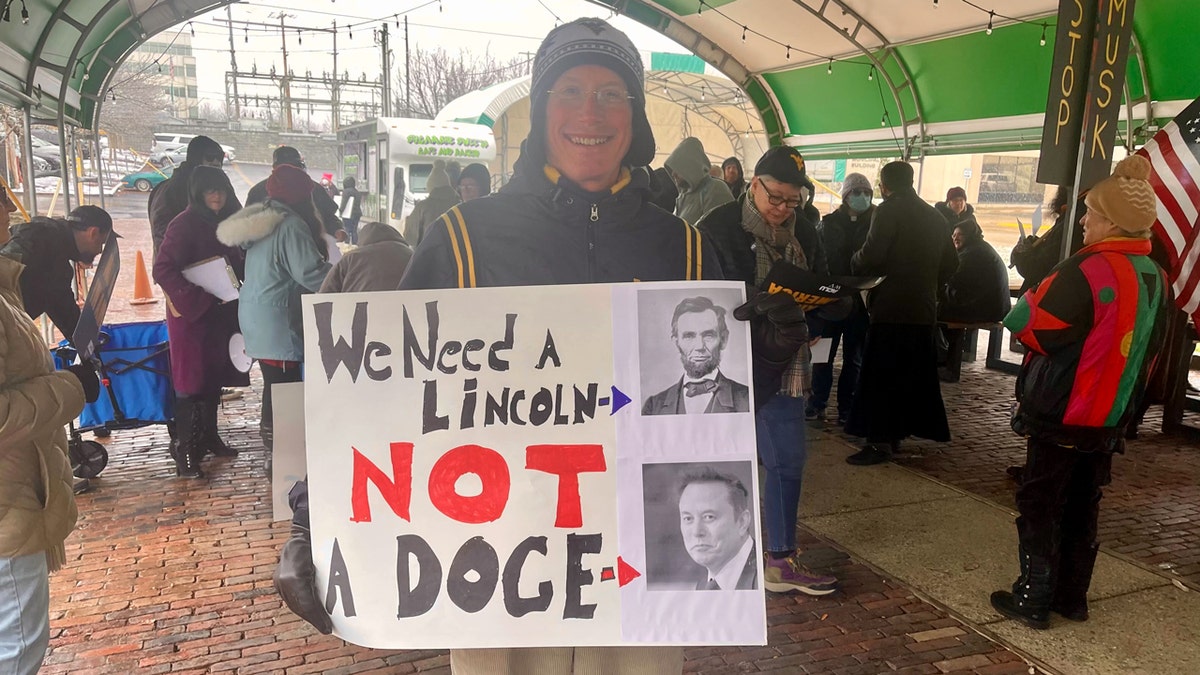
168	575
1151	512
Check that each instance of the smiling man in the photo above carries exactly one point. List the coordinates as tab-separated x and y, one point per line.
700	334
576	211
715	521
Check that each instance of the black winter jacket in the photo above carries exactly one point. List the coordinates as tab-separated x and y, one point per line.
46	247
908	244
734	245
542	229
978	290
842	234
953	218
1034	257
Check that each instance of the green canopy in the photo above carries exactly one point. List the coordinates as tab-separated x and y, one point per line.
845	78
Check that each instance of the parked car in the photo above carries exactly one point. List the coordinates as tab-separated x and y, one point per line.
167	142
48	152
144	181
172	157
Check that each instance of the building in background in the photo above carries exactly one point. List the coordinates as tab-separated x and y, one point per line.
169	60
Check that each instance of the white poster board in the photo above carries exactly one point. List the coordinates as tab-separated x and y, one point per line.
520	467
287	445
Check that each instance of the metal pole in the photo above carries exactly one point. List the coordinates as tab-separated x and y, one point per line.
237	106
407	73
30	189
98	163
64	169
287	87
337	86
386	76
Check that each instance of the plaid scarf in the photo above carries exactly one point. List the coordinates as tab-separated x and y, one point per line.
772	244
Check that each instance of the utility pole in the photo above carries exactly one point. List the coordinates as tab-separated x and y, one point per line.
407	72
385	63
237	108
336	116
287	86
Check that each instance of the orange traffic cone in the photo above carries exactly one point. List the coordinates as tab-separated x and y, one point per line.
141	284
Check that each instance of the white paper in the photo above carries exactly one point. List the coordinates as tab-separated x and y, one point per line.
401	429
214	276
331	249
288	459
347	207
821	350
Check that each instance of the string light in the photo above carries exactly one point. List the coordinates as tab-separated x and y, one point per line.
935	5
1042	42
991	15
701	8
829	68
883	120
246	32
743	33
24	13
789	52
299	36
7	14
871	73
192	29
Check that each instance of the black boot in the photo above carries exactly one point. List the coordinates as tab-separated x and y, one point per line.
212	439
1029	601
189	429
1075	567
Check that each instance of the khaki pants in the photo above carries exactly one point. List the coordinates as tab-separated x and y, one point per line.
568	661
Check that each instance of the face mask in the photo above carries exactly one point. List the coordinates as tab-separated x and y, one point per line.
859	202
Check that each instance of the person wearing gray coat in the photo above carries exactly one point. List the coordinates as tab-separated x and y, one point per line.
699	192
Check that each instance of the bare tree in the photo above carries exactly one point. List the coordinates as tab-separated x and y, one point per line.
135	101
216	112
438	77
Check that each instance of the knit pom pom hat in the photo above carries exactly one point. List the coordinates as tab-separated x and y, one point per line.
1126	197
289	184
437	177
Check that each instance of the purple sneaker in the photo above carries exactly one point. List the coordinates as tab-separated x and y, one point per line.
785	575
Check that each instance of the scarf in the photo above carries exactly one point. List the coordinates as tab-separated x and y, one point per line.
772	244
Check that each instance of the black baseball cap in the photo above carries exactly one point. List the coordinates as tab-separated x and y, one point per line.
783	163
286	154
85	217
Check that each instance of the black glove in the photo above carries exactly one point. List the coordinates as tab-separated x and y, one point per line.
778	328
296	580
87	377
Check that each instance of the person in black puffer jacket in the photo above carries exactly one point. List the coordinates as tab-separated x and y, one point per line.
955	208
976	293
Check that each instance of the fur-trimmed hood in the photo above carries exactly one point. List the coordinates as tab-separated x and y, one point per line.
252	224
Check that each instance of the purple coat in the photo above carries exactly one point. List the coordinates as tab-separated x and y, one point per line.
199	326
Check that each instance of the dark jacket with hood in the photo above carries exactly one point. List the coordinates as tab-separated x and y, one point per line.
1034	257
978	291
199	324
953	218
168	199
46	247
908	244
703	192
377	264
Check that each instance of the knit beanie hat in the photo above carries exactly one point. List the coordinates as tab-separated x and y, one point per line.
956	193
478	173
289	184
437	177
855	181
588	42
1126	197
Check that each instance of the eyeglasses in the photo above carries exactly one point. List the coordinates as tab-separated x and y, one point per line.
776	200
609	98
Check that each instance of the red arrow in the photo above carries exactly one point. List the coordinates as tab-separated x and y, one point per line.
625	573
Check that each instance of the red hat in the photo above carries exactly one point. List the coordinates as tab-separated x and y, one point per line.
289	184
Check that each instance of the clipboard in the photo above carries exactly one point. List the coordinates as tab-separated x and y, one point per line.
215	276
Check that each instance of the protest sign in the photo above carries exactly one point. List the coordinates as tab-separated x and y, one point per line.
494	467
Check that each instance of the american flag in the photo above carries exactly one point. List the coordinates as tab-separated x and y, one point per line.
1174	154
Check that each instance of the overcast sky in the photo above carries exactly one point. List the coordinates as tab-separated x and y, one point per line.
505	29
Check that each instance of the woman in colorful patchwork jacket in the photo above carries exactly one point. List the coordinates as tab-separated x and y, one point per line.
1092	328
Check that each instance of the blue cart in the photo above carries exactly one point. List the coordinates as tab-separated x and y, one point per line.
134	367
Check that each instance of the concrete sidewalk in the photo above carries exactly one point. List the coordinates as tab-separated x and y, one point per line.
955	549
